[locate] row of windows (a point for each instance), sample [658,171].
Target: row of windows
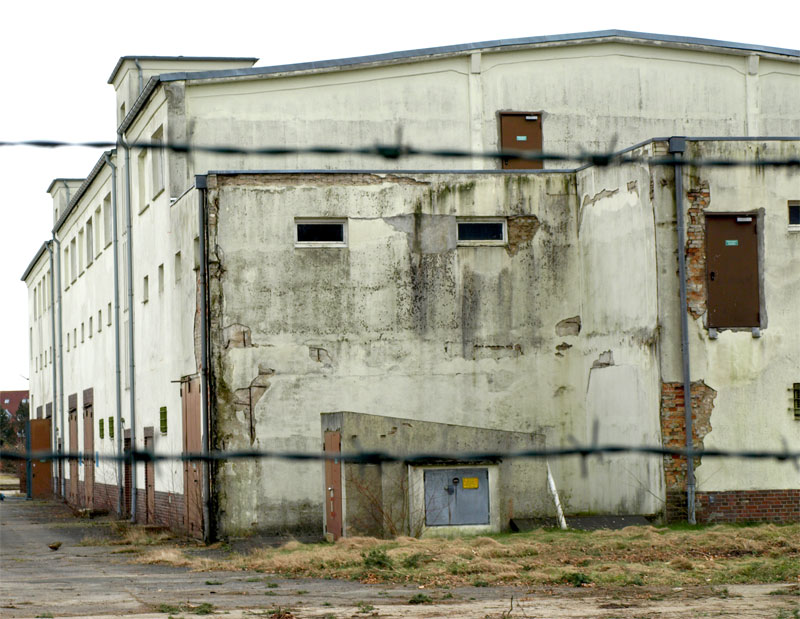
[84,248]
[333,232]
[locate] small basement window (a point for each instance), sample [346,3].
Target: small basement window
[320,232]
[794,215]
[482,232]
[796,400]
[163,419]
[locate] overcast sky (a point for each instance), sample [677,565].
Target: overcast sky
[56,59]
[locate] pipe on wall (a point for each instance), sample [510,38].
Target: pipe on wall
[117,366]
[200,184]
[677,146]
[131,356]
[54,439]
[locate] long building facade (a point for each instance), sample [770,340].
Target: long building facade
[193,301]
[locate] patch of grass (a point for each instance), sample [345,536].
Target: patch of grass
[790,590]
[364,608]
[167,609]
[201,609]
[376,558]
[576,579]
[420,598]
[271,585]
[413,561]
[301,592]
[45,615]
[479,582]
[213,582]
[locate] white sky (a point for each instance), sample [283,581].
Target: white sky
[55,58]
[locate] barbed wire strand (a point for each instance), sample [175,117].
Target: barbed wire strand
[399,150]
[377,457]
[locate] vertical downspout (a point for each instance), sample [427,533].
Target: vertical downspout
[131,357]
[52,361]
[141,77]
[200,184]
[117,367]
[677,146]
[60,403]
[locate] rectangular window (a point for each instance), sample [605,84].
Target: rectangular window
[107,220]
[83,334]
[521,131]
[160,278]
[796,400]
[196,253]
[89,242]
[66,267]
[177,267]
[145,289]
[157,163]
[482,231]
[320,232]
[99,320]
[101,428]
[794,214]
[108,313]
[67,342]
[110,427]
[75,337]
[142,161]
[98,232]
[91,321]
[80,250]
[163,419]
[73,257]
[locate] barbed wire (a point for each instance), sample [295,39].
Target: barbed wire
[378,457]
[399,150]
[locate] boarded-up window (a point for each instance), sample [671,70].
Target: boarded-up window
[521,131]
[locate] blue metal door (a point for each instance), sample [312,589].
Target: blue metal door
[456,497]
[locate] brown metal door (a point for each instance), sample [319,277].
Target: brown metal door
[42,485]
[149,482]
[732,270]
[521,131]
[60,467]
[73,462]
[333,485]
[88,455]
[192,443]
[127,472]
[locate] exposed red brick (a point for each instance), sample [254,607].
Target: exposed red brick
[699,199]
[779,506]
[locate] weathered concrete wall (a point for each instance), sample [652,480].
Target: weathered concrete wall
[404,322]
[453,102]
[750,375]
[380,499]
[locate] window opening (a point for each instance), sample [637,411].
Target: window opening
[101,427]
[163,419]
[794,214]
[325,232]
[110,427]
[89,242]
[482,232]
[796,400]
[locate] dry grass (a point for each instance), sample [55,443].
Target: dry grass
[720,554]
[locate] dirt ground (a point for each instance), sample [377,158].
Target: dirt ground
[80,580]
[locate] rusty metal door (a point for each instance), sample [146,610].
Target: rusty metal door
[88,454]
[521,131]
[333,485]
[732,270]
[42,471]
[149,480]
[73,462]
[192,443]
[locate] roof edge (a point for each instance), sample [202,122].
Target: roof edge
[82,190]
[122,59]
[33,262]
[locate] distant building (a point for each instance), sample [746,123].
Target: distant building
[11,400]
[501,303]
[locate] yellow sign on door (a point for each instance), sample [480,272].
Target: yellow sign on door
[469,483]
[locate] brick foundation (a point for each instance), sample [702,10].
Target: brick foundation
[778,506]
[169,506]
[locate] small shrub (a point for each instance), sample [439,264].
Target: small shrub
[576,579]
[420,598]
[413,561]
[213,582]
[480,583]
[365,608]
[376,558]
[167,609]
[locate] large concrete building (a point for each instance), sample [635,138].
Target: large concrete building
[206,300]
